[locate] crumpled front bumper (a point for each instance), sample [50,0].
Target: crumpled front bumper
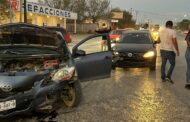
[29,101]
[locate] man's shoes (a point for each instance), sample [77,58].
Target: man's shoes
[187,86]
[169,80]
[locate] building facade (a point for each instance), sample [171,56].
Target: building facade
[41,15]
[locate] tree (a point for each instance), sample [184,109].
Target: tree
[77,6]
[127,21]
[67,5]
[91,9]
[98,9]
[183,25]
[81,9]
[4,9]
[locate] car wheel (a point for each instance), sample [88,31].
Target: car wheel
[73,94]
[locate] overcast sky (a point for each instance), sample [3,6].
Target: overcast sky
[157,11]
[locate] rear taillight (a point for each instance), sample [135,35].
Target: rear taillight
[118,38]
[68,37]
[114,37]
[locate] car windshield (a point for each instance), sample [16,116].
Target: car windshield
[25,35]
[136,38]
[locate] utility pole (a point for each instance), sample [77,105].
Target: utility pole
[21,5]
[25,12]
[10,12]
[136,12]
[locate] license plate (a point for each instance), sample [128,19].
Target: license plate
[7,105]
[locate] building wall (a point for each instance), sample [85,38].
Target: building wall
[38,19]
[83,28]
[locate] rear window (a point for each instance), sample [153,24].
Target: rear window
[136,38]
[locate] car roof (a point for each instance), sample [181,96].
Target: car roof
[54,28]
[126,29]
[28,26]
[24,24]
[133,32]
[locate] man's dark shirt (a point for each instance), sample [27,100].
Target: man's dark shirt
[188,39]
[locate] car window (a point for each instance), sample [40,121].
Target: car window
[136,38]
[94,45]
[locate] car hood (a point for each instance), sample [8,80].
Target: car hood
[141,48]
[28,34]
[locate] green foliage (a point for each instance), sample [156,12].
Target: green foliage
[183,25]
[81,8]
[91,9]
[64,4]
[98,9]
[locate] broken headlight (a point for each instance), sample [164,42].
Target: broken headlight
[62,74]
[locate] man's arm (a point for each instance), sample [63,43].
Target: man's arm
[187,36]
[174,40]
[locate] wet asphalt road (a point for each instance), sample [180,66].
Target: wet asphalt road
[135,94]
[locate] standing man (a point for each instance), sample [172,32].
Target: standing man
[104,30]
[187,56]
[168,45]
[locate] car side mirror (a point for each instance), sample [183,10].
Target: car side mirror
[80,53]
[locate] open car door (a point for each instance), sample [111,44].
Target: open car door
[90,61]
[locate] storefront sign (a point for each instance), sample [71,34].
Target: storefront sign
[117,15]
[44,10]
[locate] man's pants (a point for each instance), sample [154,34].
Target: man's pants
[187,56]
[167,56]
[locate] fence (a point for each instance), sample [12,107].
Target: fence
[83,28]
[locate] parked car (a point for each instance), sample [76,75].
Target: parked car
[135,49]
[116,34]
[37,69]
[63,31]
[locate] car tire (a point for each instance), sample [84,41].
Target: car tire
[74,95]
